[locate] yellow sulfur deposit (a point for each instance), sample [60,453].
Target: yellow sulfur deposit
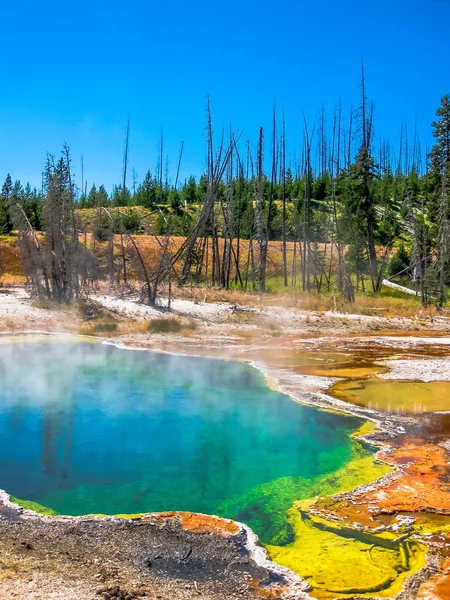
[344,561]
[339,560]
[394,395]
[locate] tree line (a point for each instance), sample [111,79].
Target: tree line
[347,210]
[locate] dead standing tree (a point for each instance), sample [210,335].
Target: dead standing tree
[262,234]
[124,187]
[251,224]
[306,264]
[60,230]
[194,251]
[52,265]
[130,248]
[283,183]
[32,252]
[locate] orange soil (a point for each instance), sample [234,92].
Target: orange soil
[422,488]
[437,587]
[202,523]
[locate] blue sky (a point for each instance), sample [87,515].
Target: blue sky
[73,71]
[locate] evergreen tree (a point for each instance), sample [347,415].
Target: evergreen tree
[121,196]
[439,204]
[33,206]
[440,154]
[147,194]
[175,202]
[189,191]
[359,218]
[91,200]
[400,262]
[102,197]
[443,247]
[5,197]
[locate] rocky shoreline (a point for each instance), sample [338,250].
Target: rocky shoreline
[161,555]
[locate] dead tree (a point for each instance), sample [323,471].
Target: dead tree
[283,182]
[195,248]
[124,186]
[52,265]
[32,253]
[306,266]
[261,229]
[57,216]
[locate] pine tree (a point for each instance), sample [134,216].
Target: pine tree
[102,197]
[443,247]
[189,191]
[147,195]
[5,197]
[440,154]
[439,176]
[121,196]
[91,200]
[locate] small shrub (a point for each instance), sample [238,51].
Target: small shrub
[46,304]
[191,325]
[400,262]
[170,325]
[105,327]
[86,331]
[131,222]
[43,304]
[274,328]
[90,311]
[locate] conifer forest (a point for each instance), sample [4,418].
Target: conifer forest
[347,209]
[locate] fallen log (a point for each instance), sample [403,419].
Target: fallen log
[396,286]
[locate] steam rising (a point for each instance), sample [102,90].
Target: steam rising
[89,428]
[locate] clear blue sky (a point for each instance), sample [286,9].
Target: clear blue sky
[71,71]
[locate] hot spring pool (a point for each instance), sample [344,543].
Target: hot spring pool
[90,428]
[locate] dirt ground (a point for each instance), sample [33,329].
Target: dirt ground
[157,556]
[203,313]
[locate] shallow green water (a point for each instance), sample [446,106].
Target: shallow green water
[89,428]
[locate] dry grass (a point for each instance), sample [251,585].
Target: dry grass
[11,272]
[168,325]
[388,303]
[244,334]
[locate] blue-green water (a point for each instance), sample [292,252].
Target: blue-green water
[89,428]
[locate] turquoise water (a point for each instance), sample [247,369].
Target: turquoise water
[89,428]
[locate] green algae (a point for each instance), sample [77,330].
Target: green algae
[367,428]
[430,524]
[395,395]
[336,560]
[339,560]
[265,508]
[34,506]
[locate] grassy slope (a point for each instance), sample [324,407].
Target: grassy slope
[387,303]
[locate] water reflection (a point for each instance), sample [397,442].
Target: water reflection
[90,428]
[394,395]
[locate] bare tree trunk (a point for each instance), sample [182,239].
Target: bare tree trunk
[283,167]
[261,231]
